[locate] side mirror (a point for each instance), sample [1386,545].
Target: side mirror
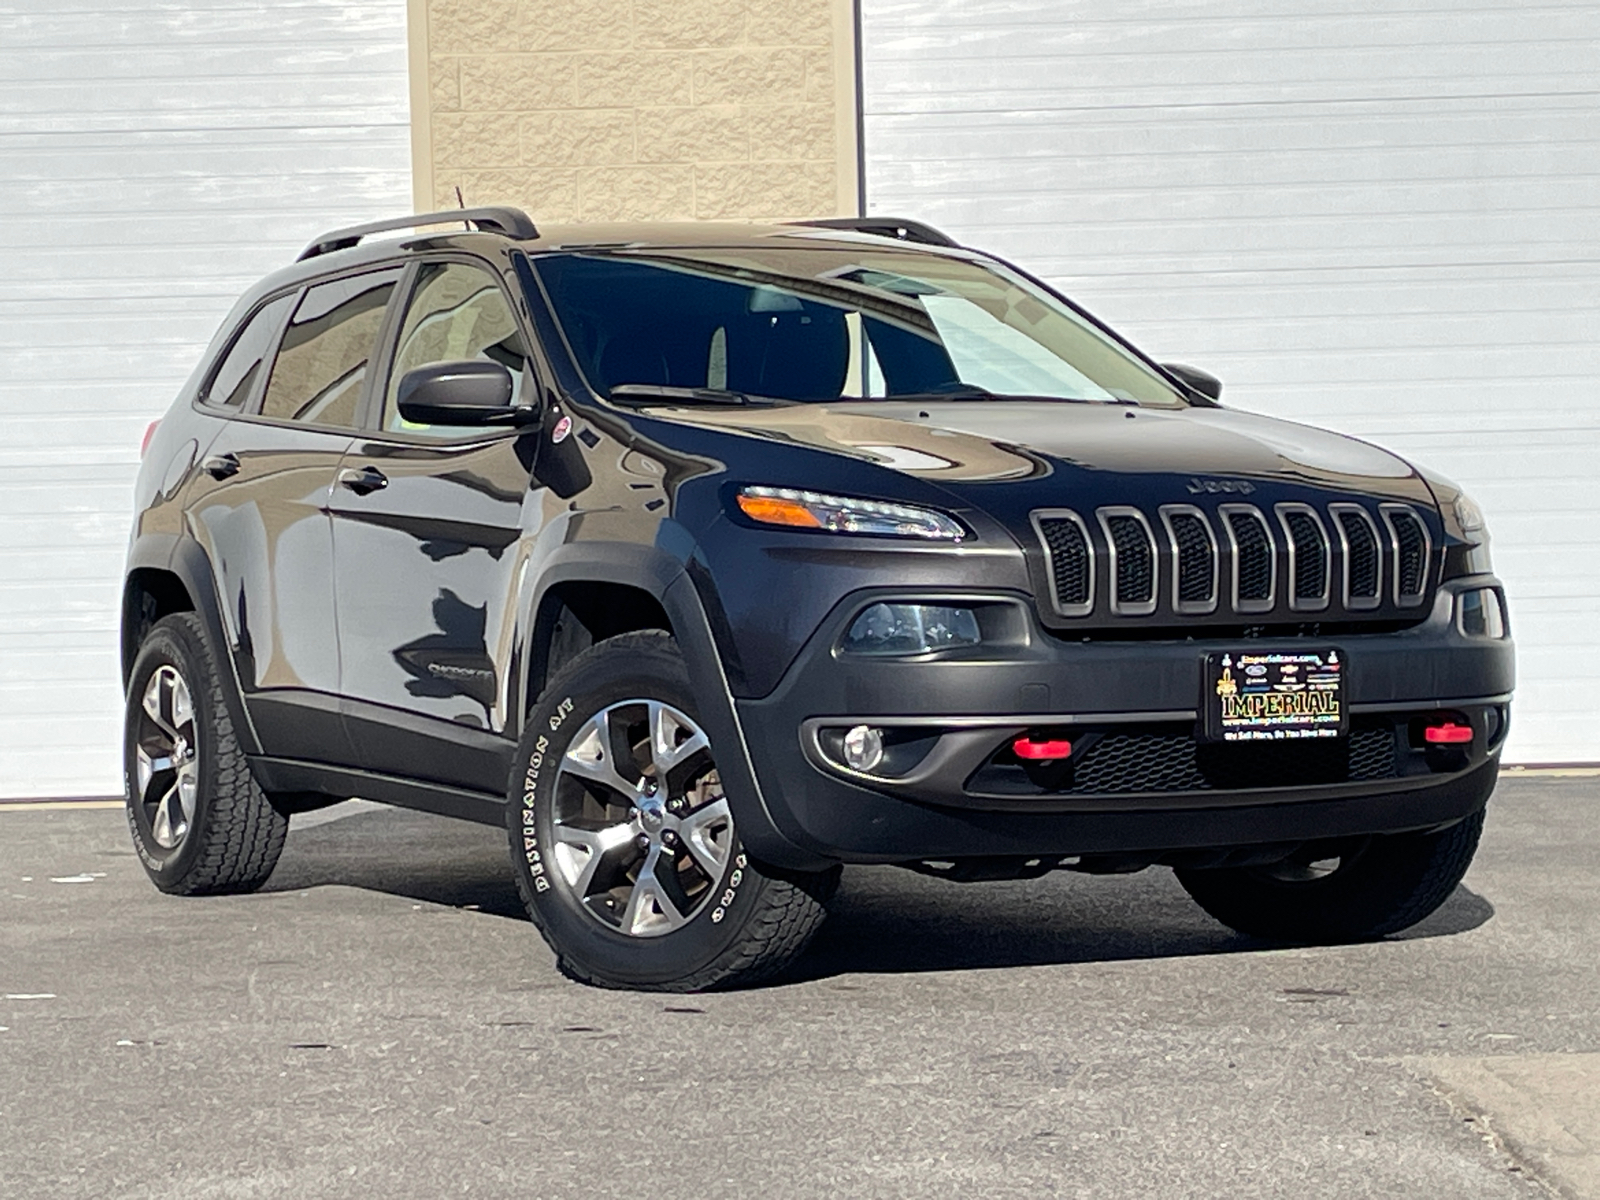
[1201,381]
[459,393]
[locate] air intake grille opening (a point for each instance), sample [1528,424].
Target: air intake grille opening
[1069,560]
[1361,561]
[1196,562]
[1167,759]
[1411,554]
[1253,548]
[1136,574]
[1310,556]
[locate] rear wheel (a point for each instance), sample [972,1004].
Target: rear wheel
[1355,890]
[200,822]
[623,839]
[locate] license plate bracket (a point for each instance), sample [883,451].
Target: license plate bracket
[1273,695]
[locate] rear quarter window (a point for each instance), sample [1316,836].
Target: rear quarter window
[235,377]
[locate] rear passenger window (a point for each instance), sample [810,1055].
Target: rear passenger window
[327,349]
[231,385]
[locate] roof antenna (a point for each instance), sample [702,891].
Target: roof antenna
[462,204]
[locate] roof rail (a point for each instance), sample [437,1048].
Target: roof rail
[512,222]
[899,228]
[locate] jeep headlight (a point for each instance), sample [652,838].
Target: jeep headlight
[1468,515]
[1473,557]
[845,514]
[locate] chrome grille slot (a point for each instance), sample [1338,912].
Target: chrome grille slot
[1133,560]
[1310,556]
[1254,552]
[1069,559]
[1363,556]
[1194,558]
[1411,549]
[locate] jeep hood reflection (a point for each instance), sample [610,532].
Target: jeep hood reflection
[954,443]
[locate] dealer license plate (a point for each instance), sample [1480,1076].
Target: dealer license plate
[1252,696]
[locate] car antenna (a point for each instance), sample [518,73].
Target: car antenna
[461,204]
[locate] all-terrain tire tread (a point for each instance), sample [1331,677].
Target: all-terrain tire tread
[1454,854]
[242,834]
[1402,879]
[792,906]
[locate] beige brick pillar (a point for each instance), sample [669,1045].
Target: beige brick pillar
[595,110]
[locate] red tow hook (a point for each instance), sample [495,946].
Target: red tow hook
[1041,751]
[1447,733]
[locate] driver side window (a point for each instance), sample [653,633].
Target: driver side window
[456,312]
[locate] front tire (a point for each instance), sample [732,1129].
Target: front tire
[1358,890]
[200,823]
[623,841]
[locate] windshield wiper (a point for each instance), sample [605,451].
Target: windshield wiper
[643,393]
[978,393]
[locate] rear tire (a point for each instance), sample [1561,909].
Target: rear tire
[1357,891]
[200,822]
[623,842]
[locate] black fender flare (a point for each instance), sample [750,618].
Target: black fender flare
[668,578]
[185,559]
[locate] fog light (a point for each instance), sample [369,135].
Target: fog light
[863,748]
[1479,614]
[898,630]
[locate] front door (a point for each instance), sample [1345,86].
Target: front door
[427,527]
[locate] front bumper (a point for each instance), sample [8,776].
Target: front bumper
[954,802]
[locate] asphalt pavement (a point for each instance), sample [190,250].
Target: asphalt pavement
[382,1021]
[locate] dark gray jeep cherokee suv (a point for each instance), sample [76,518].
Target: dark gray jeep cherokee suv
[709,558]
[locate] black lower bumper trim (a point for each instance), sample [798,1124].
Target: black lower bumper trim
[851,824]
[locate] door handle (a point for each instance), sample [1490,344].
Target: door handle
[363,481]
[221,466]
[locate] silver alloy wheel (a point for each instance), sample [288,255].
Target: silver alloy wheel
[167,757]
[641,831]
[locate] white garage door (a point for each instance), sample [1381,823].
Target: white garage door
[1385,224]
[155,159]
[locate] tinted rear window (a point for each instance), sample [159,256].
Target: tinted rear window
[323,360]
[231,385]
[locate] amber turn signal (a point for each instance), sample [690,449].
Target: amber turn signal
[775,510]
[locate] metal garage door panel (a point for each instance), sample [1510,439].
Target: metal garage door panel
[1382,223]
[158,159]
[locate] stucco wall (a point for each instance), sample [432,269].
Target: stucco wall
[635,109]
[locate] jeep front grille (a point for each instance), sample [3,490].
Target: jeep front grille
[1363,563]
[1236,559]
[1411,545]
[1255,554]
[1133,561]
[1071,560]
[1310,556]
[1194,558]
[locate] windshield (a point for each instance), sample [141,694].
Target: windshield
[828,324]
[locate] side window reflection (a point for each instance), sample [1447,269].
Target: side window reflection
[230,387]
[456,312]
[323,359]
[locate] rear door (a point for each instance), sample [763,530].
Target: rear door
[427,525]
[296,376]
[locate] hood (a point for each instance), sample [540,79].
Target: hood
[1000,455]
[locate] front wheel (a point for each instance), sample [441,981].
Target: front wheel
[623,839]
[1356,890]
